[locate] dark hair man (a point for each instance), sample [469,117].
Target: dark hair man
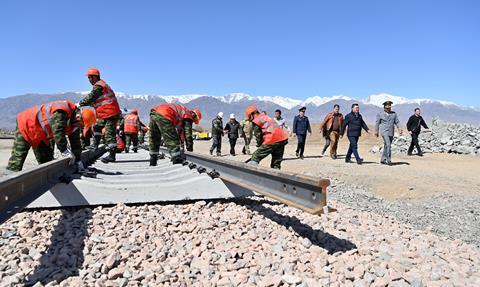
[414,126]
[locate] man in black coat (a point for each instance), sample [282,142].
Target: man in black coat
[414,126]
[301,125]
[233,128]
[355,123]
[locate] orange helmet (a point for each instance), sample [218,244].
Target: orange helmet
[93,72]
[198,116]
[89,117]
[134,111]
[250,110]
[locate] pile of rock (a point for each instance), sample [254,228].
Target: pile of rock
[241,242]
[442,137]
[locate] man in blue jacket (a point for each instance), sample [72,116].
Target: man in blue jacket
[355,123]
[301,126]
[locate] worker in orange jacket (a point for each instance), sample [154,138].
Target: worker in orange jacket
[43,127]
[173,122]
[271,139]
[103,99]
[131,127]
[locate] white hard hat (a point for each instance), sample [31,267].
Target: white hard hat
[232,116]
[220,114]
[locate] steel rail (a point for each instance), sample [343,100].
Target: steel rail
[19,189]
[306,193]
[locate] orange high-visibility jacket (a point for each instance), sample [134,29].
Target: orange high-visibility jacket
[131,123]
[35,123]
[175,113]
[272,132]
[106,105]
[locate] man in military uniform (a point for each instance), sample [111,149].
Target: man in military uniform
[247,132]
[103,99]
[217,134]
[41,128]
[173,122]
[385,126]
[271,139]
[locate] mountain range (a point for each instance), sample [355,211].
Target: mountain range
[236,103]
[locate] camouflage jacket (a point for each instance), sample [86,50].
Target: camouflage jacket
[217,126]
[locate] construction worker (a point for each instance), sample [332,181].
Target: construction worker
[131,129]
[103,99]
[247,132]
[46,126]
[173,122]
[271,139]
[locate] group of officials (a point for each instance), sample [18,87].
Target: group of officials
[333,127]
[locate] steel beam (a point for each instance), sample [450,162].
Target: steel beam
[21,188]
[303,192]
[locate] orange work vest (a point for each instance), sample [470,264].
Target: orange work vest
[106,105]
[272,132]
[35,124]
[131,123]
[175,113]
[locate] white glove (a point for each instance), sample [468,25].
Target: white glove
[80,167]
[68,154]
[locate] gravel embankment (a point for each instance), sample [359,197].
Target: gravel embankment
[241,242]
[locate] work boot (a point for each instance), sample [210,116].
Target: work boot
[126,150]
[219,154]
[135,150]
[161,156]
[109,158]
[153,159]
[177,160]
[211,152]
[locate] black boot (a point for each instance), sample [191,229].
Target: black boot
[135,150]
[126,150]
[153,159]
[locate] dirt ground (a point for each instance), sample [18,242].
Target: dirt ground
[411,178]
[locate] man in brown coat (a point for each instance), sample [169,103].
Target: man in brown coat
[331,127]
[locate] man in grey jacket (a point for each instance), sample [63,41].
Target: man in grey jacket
[385,126]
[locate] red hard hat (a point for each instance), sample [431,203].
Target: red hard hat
[93,72]
[250,110]
[198,116]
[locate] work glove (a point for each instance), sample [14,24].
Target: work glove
[68,154]
[80,166]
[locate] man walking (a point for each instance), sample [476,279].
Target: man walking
[217,134]
[301,125]
[281,121]
[232,128]
[331,128]
[385,126]
[271,139]
[247,132]
[173,122]
[414,126]
[103,99]
[354,122]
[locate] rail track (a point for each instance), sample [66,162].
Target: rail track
[131,180]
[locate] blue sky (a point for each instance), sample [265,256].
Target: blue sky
[299,49]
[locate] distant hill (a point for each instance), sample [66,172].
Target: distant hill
[236,103]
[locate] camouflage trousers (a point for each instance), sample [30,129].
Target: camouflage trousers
[275,149]
[131,138]
[110,125]
[43,153]
[246,147]
[162,127]
[141,137]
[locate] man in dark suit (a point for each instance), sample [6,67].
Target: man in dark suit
[414,126]
[355,123]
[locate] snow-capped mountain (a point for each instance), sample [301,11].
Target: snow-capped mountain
[236,103]
[379,99]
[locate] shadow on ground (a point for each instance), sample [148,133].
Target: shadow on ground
[318,237]
[64,256]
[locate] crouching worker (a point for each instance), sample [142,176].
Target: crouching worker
[46,126]
[271,139]
[173,122]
